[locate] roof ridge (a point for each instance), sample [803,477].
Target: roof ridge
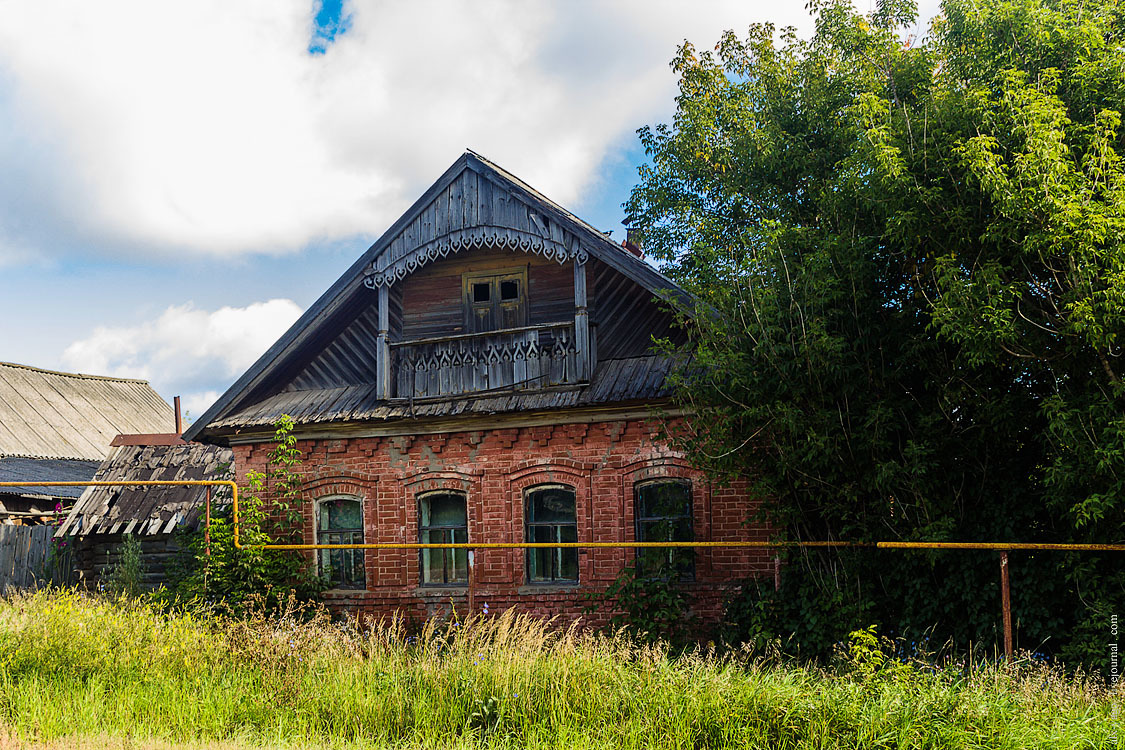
[80,375]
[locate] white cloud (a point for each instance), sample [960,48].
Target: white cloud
[205,126]
[185,351]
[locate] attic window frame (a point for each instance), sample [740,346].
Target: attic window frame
[495,278]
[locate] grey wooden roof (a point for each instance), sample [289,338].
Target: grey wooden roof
[473,204]
[615,381]
[21,469]
[150,510]
[46,414]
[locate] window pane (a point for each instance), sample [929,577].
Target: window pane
[664,499]
[443,510]
[509,290]
[340,521]
[482,292]
[443,566]
[664,515]
[551,517]
[552,505]
[341,514]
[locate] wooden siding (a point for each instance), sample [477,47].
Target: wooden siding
[432,297]
[627,316]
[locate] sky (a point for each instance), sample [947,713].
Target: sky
[180,180]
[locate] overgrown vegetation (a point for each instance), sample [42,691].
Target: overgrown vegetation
[650,607]
[126,577]
[911,280]
[76,666]
[270,510]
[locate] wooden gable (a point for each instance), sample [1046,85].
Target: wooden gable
[397,325]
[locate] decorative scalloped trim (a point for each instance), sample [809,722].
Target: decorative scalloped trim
[502,238]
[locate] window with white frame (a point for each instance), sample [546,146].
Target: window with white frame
[551,518]
[442,519]
[340,521]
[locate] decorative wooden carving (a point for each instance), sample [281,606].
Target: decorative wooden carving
[504,238]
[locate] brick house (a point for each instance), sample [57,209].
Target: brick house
[484,373]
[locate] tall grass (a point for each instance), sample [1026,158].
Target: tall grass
[74,666]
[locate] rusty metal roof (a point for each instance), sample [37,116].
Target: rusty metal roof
[150,510]
[46,414]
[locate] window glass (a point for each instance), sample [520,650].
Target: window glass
[551,518]
[340,521]
[664,514]
[481,292]
[442,519]
[509,290]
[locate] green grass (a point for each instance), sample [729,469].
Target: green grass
[72,666]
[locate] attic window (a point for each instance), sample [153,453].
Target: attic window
[495,301]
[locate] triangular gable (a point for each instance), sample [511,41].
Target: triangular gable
[473,204]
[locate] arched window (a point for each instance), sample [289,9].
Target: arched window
[664,514]
[442,520]
[340,521]
[550,518]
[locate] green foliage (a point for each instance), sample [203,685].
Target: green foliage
[269,509]
[650,605]
[911,283]
[503,681]
[126,578]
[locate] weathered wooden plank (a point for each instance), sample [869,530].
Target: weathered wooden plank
[441,213]
[470,203]
[456,210]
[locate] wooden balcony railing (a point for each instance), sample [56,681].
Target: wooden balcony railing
[516,358]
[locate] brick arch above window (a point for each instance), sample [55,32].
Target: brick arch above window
[427,481]
[339,484]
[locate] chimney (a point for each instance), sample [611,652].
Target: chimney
[632,242]
[179,421]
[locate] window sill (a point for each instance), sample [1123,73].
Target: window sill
[441,591]
[531,589]
[336,593]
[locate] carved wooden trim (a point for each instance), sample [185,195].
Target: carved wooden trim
[502,238]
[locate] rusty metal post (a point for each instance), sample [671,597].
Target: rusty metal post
[777,572]
[1006,603]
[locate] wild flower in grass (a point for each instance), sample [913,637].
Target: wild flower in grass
[486,608]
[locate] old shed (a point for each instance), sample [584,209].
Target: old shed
[98,522]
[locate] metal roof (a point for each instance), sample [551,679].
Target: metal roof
[150,510]
[47,414]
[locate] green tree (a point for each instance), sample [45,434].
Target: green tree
[270,509]
[908,263]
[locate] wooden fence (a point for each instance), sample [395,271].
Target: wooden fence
[28,558]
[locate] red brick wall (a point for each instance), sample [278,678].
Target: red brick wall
[602,461]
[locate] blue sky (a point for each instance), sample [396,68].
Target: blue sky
[182,179]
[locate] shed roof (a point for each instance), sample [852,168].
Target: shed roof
[21,469]
[47,414]
[150,510]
